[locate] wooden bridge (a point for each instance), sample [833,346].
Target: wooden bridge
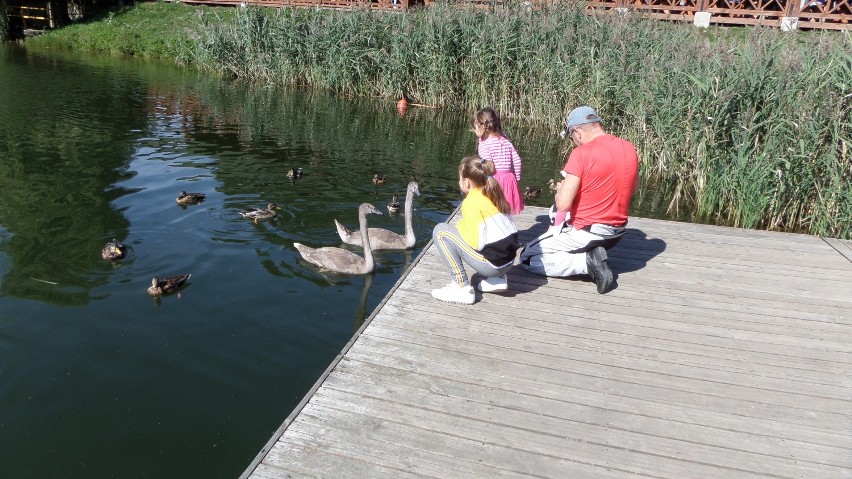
[722,353]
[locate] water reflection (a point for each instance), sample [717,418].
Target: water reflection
[60,158]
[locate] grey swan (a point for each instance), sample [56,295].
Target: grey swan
[341,260]
[381,238]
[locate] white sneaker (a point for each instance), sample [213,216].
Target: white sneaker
[453,293]
[493,285]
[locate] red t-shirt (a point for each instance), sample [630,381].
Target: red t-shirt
[607,167]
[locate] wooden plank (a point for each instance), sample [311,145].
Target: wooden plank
[478,458]
[843,247]
[312,455]
[800,407]
[724,288]
[701,363]
[432,392]
[672,304]
[549,446]
[592,339]
[493,386]
[599,391]
[608,363]
[575,422]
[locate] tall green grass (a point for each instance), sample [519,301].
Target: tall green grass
[752,132]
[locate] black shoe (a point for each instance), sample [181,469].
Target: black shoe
[598,266]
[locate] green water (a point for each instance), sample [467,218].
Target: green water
[97,379]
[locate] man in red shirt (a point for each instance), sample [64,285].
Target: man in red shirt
[592,203]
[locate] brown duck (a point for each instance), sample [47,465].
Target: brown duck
[185,198]
[167,285]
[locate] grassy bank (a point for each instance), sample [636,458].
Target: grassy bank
[154,30]
[750,130]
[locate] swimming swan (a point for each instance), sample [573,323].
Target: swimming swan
[341,260]
[382,238]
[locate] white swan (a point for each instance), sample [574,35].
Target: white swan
[341,260]
[382,238]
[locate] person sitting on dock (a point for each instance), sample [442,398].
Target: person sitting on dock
[592,203]
[485,237]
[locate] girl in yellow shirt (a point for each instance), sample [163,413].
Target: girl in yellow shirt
[485,237]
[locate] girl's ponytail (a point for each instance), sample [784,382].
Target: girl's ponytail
[481,173]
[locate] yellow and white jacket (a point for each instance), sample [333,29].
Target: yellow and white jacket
[484,228]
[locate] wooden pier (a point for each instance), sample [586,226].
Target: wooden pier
[722,353]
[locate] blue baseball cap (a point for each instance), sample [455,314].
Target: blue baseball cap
[580,116]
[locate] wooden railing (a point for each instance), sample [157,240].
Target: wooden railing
[36,16]
[788,14]
[339,4]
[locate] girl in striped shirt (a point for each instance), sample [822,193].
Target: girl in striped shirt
[494,146]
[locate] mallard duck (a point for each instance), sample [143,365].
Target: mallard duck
[167,285]
[260,213]
[532,193]
[185,198]
[394,206]
[552,185]
[113,250]
[380,179]
[342,260]
[294,173]
[382,238]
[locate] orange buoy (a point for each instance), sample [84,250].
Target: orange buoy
[402,106]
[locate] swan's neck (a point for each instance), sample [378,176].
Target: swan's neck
[365,239]
[409,207]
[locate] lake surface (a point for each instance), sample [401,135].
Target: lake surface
[98,379]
